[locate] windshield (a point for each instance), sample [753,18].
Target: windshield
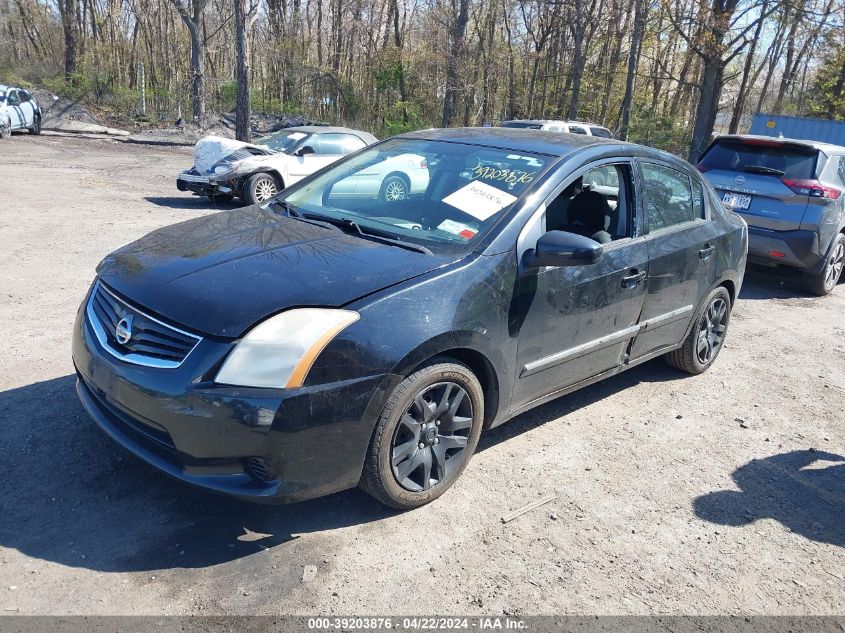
[792,161]
[443,196]
[282,141]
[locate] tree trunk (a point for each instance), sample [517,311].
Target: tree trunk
[198,75]
[70,17]
[633,56]
[578,58]
[708,107]
[242,108]
[456,49]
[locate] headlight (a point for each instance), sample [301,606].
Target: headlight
[279,352]
[221,168]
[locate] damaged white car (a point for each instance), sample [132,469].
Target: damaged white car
[225,168]
[18,111]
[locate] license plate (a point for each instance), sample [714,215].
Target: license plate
[736,201]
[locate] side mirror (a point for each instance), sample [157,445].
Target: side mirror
[560,248]
[305,150]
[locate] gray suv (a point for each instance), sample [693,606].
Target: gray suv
[790,192]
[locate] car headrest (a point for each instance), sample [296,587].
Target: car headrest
[590,208]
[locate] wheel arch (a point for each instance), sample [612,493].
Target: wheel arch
[730,286]
[399,174]
[482,362]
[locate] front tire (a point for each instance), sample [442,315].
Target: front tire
[6,129]
[425,436]
[259,188]
[707,336]
[824,283]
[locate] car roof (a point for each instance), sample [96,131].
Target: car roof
[827,148]
[331,129]
[515,139]
[545,142]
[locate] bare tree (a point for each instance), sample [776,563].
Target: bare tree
[633,58]
[456,50]
[192,13]
[244,19]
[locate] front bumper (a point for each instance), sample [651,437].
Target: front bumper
[313,440]
[800,248]
[191,180]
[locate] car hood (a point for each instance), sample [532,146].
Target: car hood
[222,273]
[212,149]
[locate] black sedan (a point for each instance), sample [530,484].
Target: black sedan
[330,338]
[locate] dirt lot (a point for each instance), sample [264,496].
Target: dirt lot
[719,494]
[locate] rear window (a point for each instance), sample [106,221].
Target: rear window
[776,159]
[600,131]
[523,124]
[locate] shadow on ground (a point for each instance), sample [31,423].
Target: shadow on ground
[774,283]
[73,496]
[803,490]
[193,202]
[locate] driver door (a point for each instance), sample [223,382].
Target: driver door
[576,322]
[327,149]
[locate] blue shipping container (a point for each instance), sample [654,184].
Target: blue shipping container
[799,128]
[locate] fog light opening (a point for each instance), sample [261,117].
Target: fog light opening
[259,469]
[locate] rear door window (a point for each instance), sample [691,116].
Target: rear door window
[335,144]
[577,129]
[762,157]
[668,197]
[600,131]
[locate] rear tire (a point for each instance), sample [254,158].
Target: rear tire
[823,283]
[36,126]
[707,336]
[425,436]
[259,188]
[395,188]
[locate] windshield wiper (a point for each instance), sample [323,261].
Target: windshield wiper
[293,212]
[346,225]
[767,171]
[351,226]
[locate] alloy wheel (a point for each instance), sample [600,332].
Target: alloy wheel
[265,189]
[395,191]
[834,268]
[711,330]
[431,437]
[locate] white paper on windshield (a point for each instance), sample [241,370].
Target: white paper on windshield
[296,135]
[479,200]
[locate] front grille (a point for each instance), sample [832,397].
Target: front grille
[143,340]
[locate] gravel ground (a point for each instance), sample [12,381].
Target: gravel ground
[718,494]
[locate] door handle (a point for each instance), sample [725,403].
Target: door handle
[706,252]
[632,281]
